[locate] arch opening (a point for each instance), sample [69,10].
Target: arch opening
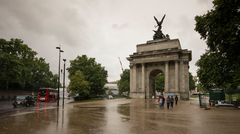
[156,83]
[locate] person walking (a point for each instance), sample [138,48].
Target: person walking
[168,102]
[176,100]
[160,101]
[172,101]
[163,101]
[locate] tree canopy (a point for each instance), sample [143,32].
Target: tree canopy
[93,73]
[124,82]
[192,82]
[21,68]
[78,85]
[220,27]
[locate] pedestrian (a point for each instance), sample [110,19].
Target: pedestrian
[168,102]
[176,99]
[171,101]
[163,101]
[160,101]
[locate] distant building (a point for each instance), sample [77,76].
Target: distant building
[112,88]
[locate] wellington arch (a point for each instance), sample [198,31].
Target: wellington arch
[160,56]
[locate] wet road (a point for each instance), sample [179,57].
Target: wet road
[122,117]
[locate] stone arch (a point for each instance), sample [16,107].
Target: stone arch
[151,78]
[155,56]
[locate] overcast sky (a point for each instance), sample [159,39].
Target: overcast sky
[102,29]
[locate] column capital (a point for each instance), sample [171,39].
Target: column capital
[131,65]
[184,61]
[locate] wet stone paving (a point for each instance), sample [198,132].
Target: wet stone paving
[122,116]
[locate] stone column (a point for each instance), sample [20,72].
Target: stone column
[131,77]
[143,79]
[186,71]
[166,76]
[176,77]
[182,89]
[134,82]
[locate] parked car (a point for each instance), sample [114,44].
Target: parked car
[23,100]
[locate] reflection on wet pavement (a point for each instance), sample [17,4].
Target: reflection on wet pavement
[122,116]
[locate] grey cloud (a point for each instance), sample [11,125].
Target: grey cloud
[47,18]
[104,30]
[203,1]
[120,26]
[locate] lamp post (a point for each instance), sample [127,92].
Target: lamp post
[64,60]
[59,62]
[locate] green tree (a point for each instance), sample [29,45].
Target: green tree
[20,68]
[54,81]
[220,27]
[41,75]
[192,84]
[212,70]
[200,87]
[159,82]
[124,82]
[93,72]
[10,70]
[78,85]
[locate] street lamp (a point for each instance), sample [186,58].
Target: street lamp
[59,62]
[64,60]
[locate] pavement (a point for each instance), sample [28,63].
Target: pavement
[123,116]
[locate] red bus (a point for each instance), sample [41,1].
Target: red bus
[47,94]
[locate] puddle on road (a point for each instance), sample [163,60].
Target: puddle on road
[119,117]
